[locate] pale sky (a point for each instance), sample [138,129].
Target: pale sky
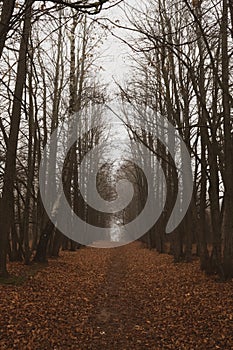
[114,59]
[115,63]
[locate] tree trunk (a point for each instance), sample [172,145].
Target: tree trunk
[228,149]
[6,15]
[7,202]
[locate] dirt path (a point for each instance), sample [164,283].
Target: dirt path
[120,298]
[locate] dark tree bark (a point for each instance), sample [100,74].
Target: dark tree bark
[7,202]
[41,251]
[6,15]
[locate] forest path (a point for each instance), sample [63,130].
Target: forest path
[121,298]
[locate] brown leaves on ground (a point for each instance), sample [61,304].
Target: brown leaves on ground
[121,298]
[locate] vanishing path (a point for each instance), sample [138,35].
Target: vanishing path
[121,298]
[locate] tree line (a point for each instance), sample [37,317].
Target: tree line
[182,69]
[48,51]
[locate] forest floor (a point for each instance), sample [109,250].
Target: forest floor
[120,298]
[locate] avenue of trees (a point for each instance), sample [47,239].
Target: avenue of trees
[181,69]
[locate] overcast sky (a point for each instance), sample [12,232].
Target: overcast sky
[114,51]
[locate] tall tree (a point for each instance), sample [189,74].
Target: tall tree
[7,200]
